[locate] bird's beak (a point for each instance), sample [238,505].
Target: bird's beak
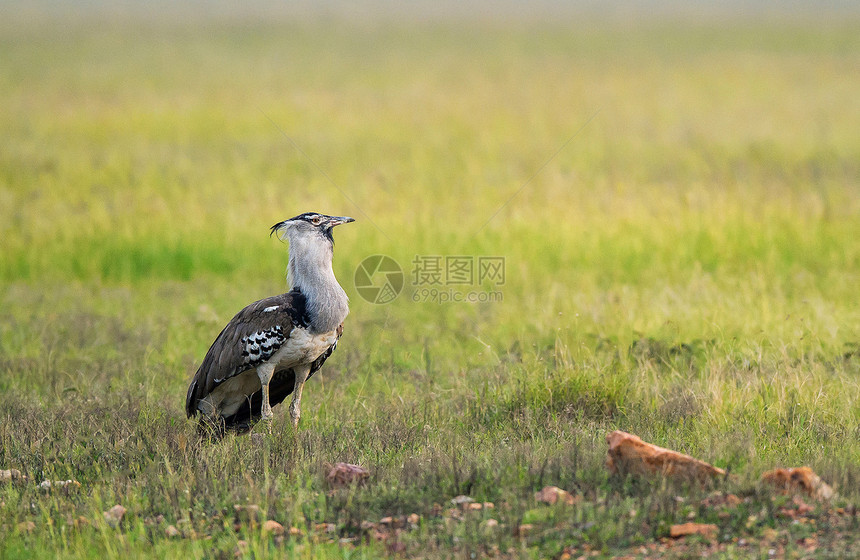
[338,220]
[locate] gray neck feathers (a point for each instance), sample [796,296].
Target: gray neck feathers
[310,271]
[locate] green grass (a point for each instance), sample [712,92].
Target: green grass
[686,269]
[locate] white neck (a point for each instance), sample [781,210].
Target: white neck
[310,271]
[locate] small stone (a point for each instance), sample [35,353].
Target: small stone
[386,521]
[114,515]
[798,480]
[66,485]
[706,530]
[12,475]
[346,474]
[525,529]
[413,519]
[462,501]
[553,494]
[172,532]
[489,524]
[476,506]
[273,527]
[367,525]
[295,532]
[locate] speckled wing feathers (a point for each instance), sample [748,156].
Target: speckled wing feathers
[250,338]
[280,388]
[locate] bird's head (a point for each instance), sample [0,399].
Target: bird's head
[308,226]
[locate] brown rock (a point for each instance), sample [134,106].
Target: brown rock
[114,515]
[798,480]
[12,475]
[706,530]
[65,485]
[345,474]
[273,527]
[476,506]
[462,501]
[413,519]
[553,494]
[295,532]
[172,532]
[629,454]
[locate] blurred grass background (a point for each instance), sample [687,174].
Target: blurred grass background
[686,267]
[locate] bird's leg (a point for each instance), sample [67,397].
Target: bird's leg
[295,405]
[265,372]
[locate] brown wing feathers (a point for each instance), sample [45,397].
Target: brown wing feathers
[251,337]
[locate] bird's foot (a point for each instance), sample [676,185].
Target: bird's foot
[267,417]
[295,415]
[267,414]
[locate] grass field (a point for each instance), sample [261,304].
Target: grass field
[677,204]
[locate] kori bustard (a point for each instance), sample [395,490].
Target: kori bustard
[271,348]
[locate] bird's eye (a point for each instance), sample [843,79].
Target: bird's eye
[316,220]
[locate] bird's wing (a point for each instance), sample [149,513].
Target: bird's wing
[280,388]
[249,339]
